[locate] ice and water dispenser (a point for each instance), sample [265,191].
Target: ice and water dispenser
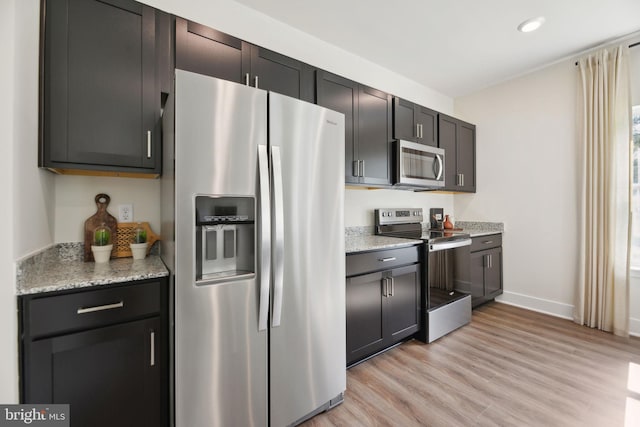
[225,245]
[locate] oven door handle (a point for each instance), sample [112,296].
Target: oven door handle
[434,247]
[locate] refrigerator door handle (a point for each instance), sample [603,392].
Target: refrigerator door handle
[265,237]
[278,235]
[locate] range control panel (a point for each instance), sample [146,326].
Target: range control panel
[398,216]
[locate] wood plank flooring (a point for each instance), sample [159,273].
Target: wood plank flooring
[508,367]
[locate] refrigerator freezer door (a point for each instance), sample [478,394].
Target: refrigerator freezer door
[220,355]
[307,349]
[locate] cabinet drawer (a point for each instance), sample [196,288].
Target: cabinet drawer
[381,260]
[89,309]
[486,242]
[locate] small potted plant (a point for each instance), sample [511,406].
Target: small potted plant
[102,245]
[139,243]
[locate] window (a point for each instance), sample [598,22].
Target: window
[635,200]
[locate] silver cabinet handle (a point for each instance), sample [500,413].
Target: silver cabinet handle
[356,168]
[462,180]
[421,133]
[440,167]
[246,79]
[391,258]
[148,144]
[487,242]
[255,81]
[362,169]
[488,261]
[278,235]
[417,130]
[384,287]
[393,285]
[85,310]
[265,237]
[152,361]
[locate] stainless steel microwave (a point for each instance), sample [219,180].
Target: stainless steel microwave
[418,165]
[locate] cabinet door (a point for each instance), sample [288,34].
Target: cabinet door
[427,119]
[281,74]
[204,50]
[364,316]
[493,274]
[447,137]
[110,376]
[403,303]
[339,94]
[374,136]
[478,260]
[404,120]
[466,156]
[99,100]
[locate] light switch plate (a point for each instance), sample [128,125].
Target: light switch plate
[125,213]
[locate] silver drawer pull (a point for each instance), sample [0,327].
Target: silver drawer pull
[488,242]
[148,144]
[152,362]
[85,310]
[391,258]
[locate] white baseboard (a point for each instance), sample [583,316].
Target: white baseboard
[553,308]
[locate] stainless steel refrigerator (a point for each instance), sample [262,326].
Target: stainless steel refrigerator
[253,232]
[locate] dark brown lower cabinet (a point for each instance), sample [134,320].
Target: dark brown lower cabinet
[486,268]
[106,354]
[382,308]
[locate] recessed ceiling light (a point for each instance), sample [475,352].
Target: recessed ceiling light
[531,24]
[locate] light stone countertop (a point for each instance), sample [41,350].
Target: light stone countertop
[52,271]
[476,229]
[365,243]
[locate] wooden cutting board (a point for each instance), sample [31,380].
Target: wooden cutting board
[95,221]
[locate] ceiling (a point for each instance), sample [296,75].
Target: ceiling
[458,46]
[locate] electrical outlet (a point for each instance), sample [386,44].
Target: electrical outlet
[125,213]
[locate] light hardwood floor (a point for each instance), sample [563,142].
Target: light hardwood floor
[508,367]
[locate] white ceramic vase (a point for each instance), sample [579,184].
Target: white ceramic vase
[138,250]
[101,254]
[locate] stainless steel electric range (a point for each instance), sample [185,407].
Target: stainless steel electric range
[446,288]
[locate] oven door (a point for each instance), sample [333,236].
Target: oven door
[449,271]
[448,303]
[419,165]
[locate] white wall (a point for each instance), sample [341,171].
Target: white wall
[34,190]
[75,202]
[8,321]
[359,204]
[526,165]
[527,169]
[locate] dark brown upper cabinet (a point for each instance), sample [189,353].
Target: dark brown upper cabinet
[203,50]
[458,139]
[100,98]
[368,115]
[413,122]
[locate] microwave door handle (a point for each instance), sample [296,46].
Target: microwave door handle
[440,167]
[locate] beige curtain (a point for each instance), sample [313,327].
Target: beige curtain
[604,129]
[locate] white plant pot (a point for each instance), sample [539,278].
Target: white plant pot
[101,254]
[138,250]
